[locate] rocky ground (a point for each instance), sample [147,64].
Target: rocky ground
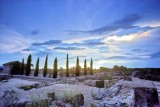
[60,92]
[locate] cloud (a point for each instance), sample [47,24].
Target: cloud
[50,42]
[125,38]
[139,50]
[95,43]
[27,49]
[68,48]
[149,23]
[81,39]
[35,32]
[124,23]
[12,41]
[155,55]
[42,53]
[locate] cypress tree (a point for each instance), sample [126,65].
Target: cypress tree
[67,67]
[45,67]
[28,67]
[85,67]
[77,67]
[91,67]
[55,68]
[22,67]
[37,68]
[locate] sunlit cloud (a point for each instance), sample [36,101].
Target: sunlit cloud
[150,23]
[81,39]
[125,38]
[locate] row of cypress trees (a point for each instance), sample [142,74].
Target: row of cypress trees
[55,65]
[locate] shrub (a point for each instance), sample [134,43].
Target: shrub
[105,78]
[68,94]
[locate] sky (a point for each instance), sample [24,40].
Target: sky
[111,32]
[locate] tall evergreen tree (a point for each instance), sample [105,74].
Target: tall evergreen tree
[85,67]
[77,67]
[67,67]
[37,68]
[91,67]
[28,67]
[45,67]
[55,68]
[22,67]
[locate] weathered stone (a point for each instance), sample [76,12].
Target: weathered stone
[90,83]
[100,84]
[108,83]
[95,104]
[4,77]
[60,104]
[120,104]
[50,101]
[29,104]
[94,83]
[51,95]
[35,104]
[81,79]
[27,87]
[146,96]
[3,81]
[18,104]
[77,100]
[98,95]
[44,103]
[9,98]
[113,91]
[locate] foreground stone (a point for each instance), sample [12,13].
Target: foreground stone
[51,95]
[108,83]
[29,104]
[77,100]
[4,77]
[100,84]
[10,97]
[146,97]
[95,103]
[98,95]
[18,104]
[95,83]
[60,104]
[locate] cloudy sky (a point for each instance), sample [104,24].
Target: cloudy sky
[112,32]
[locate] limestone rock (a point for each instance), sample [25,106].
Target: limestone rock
[29,104]
[100,84]
[60,104]
[90,83]
[95,104]
[51,95]
[44,103]
[77,100]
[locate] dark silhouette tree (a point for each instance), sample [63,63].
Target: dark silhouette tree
[55,68]
[22,67]
[85,67]
[91,67]
[28,67]
[67,67]
[45,67]
[37,68]
[77,67]
[16,67]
